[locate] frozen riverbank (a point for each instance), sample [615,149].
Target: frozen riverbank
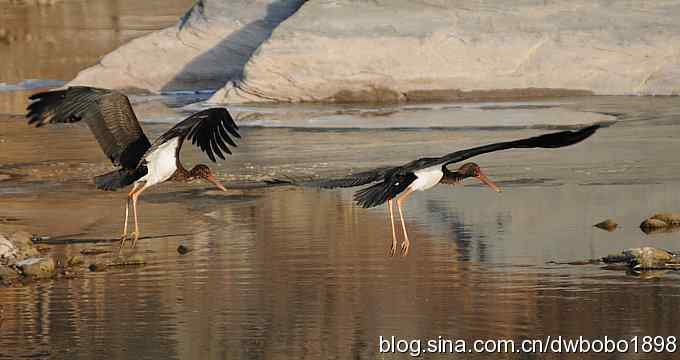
[390,51]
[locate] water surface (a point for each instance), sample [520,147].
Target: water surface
[302,273]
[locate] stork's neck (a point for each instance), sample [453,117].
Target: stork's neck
[451,177]
[181,174]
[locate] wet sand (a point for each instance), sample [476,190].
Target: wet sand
[301,273]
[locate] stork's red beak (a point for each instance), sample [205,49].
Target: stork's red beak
[213,180]
[487,181]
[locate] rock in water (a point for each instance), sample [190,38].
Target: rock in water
[16,247]
[8,252]
[660,221]
[7,275]
[95,267]
[608,225]
[649,258]
[183,249]
[668,218]
[22,240]
[37,267]
[650,224]
[645,258]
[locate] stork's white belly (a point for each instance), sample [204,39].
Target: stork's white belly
[161,164]
[427,178]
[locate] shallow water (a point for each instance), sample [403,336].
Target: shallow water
[280,272]
[55,42]
[300,273]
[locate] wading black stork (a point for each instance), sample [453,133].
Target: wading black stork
[109,116]
[396,184]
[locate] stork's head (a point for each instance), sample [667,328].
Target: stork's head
[473,170]
[201,171]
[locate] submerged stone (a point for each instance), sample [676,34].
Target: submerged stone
[16,247]
[8,252]
[660,221]
[651,224]
[668,218]
[95,267]
[22,240]
[648,257]
[183,249]
[8,275]
[608,225]
[37,267]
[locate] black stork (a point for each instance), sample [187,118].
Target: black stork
[396,184]
[110,117]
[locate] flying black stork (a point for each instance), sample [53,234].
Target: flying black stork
[110,117]
[396,184]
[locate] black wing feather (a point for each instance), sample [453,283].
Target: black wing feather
[391,181]
[107,113]
[377,194]
[552,140]
[356,179]
[209,130]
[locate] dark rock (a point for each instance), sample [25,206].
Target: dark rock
[608,225]
[183,249]
[95,267]
[644,258]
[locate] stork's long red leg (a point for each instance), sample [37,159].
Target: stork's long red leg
[393,249]
[123,237]
[401,199]
[135,196]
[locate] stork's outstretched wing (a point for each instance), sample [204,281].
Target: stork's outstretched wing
[552,140]
[211,130]
[356,179]
[108,114]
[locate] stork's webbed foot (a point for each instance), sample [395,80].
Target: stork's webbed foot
[393,248]
[123,238]
[405,245]
[135,237]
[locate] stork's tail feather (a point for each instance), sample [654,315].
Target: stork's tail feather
[118,179]
[379,193]
[373,195]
